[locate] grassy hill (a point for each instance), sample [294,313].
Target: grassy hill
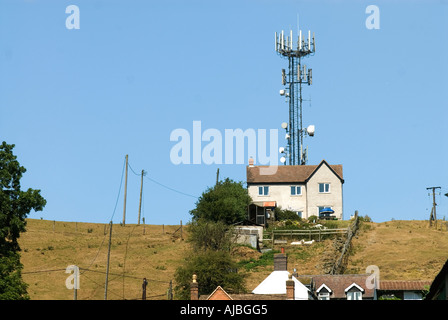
[403,250]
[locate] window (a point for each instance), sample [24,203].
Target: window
[324,187]
[296,190]
[354,295]
[411,295]
[354,292]
[263,190]
[323,293]
[299,213]
[324,296]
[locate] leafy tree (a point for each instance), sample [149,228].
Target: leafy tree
[213,268]
[227,201]
[209,235]
[15,205]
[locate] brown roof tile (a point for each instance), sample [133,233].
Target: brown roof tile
[289,174]
[404,284]
[338,284]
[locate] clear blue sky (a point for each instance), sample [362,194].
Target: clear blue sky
[75,102]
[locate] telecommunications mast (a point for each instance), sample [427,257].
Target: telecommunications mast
[293,79]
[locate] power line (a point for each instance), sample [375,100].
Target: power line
[119,190]
[161,184]
[41,271]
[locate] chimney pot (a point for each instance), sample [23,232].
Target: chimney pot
[251,162]
[194,289]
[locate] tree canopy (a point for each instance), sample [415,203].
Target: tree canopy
[15,205]
[227,201]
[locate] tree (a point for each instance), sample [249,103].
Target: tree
[209,235]
[227,201]
[213,268]
[15,205]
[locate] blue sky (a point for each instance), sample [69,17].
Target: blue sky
[76,101]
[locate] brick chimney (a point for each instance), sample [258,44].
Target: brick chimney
[280,262]
[194,290]
[251,162]
[290,288]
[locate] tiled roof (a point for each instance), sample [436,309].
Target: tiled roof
[289,174]
[249,296]
[393,285]
[338,284]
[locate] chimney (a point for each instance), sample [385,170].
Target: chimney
[251,162]
[280,262]
[290,288]
[194,290]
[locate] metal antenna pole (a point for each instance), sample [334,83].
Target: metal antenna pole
[297,75]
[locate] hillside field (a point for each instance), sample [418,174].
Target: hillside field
[403,250]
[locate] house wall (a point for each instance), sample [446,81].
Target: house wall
[310,199]
[332,199]
[281,193]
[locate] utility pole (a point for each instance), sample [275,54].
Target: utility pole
[108,260]
[433,215]
[140,204]
[125,191]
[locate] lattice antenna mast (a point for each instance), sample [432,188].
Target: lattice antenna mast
[293,79]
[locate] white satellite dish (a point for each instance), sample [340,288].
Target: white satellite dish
[282,92]
[284,125]
[310,129]
[287,136]
[282,159]
[281,149]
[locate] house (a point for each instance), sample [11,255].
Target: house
[274,283]
[403,289]
[342,287]
[308,190]
[279,285]
[220,294]
[439,286]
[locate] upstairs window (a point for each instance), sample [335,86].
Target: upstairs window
[354,295]
[324,296]
[263,190]
[324,187]
[323,293]
[354,292]
[296,190]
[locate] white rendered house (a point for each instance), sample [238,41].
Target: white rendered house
[308,190]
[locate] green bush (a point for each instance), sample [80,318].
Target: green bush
[281,215]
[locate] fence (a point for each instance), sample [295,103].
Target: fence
[312,234]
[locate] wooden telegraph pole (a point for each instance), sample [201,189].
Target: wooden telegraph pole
[433,215]
[108,260]
[125,191]
[140,204]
